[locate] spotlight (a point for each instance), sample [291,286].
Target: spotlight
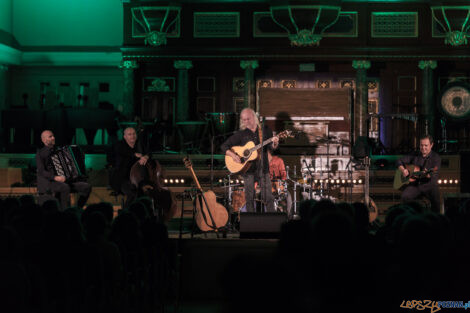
[220,180]
[332,181]
[337,181]
[182,180]
[343,181]
[242,181]
[354,181]
[451,181]
[445,181]
[237,181]
[315,181]
[349,181]
[456,181]
[171,181]
[166,181]
[439,181]
[231,181]
[359,181]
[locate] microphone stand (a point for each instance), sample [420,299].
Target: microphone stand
[212,154]
[263,177]
[212,162]
[311,178]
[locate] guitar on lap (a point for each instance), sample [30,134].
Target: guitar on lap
[248,153]
[400,182]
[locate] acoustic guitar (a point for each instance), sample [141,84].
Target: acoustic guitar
[400,182]
[249,152]
[209,215]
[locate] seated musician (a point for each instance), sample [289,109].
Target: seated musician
[259,169]
[426,186]
[127,152]
[48,183]
[277,168]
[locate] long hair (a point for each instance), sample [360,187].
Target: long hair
[242,125]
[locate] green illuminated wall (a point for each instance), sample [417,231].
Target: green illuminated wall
[67,22]
[5,15]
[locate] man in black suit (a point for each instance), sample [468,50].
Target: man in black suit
[427,186]
[127,152]
[48,183]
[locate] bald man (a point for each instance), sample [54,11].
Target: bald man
[48,183]
[127,152]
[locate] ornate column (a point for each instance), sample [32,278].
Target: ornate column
[249,91]
[182,87]
[361,104]
[4,86]
[427,66]
[128,67]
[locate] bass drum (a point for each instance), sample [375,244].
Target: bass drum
[283,203]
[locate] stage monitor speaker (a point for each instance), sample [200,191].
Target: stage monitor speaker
[455,200]
[261,225]
[361,148]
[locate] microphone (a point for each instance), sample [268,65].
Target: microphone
[306,165]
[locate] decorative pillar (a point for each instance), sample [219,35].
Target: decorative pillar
[427,66]
[182,88]
[249,91]
[4,86]
[362,94]
[128,67]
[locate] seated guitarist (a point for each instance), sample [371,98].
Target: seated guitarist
[426,186]
[259,168]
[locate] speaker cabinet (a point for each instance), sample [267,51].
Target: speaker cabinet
[455,200]
[261,225]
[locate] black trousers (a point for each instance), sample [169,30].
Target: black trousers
[428,190]
[130,190]
[64,189]
[266,194]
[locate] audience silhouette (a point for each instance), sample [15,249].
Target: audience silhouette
[330,260]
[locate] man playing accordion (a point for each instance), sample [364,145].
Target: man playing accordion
[49,183]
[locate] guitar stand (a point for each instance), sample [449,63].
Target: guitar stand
[200,196]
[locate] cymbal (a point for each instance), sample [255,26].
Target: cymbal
[231,186]
[325,139]
[342,142]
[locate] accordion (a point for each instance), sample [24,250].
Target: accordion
[69,161]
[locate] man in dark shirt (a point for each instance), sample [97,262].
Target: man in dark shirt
[48,183]
[426,186]
[259,169]
[127,152]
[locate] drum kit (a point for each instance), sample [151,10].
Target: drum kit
[235,195]
[285,191]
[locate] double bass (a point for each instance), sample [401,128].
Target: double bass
[148,179]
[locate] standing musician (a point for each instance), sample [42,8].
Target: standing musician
[127,152]
[49,183]
[426,186]
[259,169]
